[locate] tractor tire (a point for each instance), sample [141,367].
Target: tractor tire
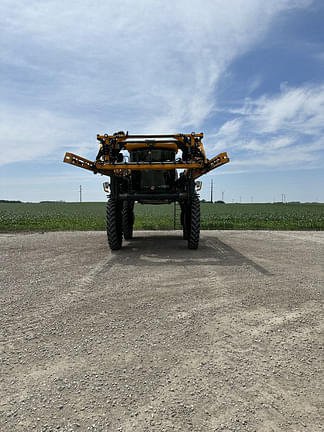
[128,220]
[114,224]
[194,229]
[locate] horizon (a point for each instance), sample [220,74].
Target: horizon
[201,199]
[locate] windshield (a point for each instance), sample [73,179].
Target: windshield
[152,155]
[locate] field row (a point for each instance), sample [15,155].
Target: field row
[91,216]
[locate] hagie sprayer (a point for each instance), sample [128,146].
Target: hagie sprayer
[149,176]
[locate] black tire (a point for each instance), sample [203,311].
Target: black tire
[128,220]
[114,225]
[194,231]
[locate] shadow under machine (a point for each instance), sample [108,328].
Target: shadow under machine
[148,175]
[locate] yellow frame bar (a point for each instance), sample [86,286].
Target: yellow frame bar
[106,168]
[146,166]
[196,167]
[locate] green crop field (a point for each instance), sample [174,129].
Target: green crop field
[91,216]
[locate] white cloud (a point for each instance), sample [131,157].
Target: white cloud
[297,109]
[144,66]
[231,128]
[29,134]
[285,129]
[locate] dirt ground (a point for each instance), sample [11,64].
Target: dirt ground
[156,337]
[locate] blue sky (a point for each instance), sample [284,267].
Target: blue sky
[249,74]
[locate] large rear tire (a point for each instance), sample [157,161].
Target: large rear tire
[114,224]
[194,228]
[128,219]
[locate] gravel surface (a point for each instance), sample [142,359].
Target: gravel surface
[156,337]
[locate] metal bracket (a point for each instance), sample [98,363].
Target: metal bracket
[198,185]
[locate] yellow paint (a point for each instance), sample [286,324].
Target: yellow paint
[197,167]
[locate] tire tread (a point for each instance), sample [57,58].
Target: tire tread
[113,224]
[194,233]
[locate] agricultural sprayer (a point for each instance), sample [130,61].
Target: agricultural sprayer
[143,168]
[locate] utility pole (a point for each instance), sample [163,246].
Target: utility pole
[223,195]
[80,193]
[211,190]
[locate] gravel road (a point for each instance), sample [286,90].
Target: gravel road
[156,337]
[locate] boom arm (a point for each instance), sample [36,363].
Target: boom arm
[211,164]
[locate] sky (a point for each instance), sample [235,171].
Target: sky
[247,73]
